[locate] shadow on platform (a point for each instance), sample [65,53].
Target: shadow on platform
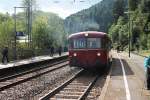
[117,69]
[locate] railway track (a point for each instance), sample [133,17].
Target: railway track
[13,80]
[30,71]
[75,88]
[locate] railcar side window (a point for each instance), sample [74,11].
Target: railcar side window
[93,43]
[70,43]
[79,43]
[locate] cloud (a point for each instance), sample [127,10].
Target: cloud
[58,10]
[8,6]
[63,8]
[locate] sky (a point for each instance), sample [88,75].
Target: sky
[62,8]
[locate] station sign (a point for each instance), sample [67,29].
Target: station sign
[20,33]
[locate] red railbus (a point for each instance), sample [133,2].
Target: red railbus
[89,50]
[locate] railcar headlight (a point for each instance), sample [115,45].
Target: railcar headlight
[98,54]
[86,34]
[75,54]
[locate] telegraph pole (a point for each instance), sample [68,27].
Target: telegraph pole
[129,24]
[29,22]
[15,37]
[129,39]
[28,8]
[129,34]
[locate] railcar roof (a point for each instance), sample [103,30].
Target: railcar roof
[93,33]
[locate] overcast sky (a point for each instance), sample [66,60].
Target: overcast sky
[63,8]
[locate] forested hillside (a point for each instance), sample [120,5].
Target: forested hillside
[98,17]
[118,18]
[135,20]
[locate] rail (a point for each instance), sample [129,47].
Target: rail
[24,79]
[82,97]
[64,85]
[29,71]
[53,92]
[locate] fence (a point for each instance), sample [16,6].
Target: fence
[28,53]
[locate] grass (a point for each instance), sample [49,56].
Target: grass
[145,52]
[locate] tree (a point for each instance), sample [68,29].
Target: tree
[118,9]
[40,33]
[48,30]
[145,6]
[133,4]
[6,30]
[27,3]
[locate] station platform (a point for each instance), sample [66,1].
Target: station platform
[127,78]
[30,60]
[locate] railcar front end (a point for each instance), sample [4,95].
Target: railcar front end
[88,50]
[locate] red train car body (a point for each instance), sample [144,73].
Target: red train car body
[89,50]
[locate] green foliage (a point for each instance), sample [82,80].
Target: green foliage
[118,9]
[139,26]
[145,6]
[119,32]
[40,33]
[56,28]
[133,4]
[143,43]
[47,30]
[98,17]
[6,30]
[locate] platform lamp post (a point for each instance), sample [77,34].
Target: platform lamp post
[129,39]
[15,32]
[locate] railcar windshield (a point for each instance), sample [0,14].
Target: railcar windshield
[89,43]
[93,43]
[79,43]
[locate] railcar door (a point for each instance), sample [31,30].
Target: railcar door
[93,50]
